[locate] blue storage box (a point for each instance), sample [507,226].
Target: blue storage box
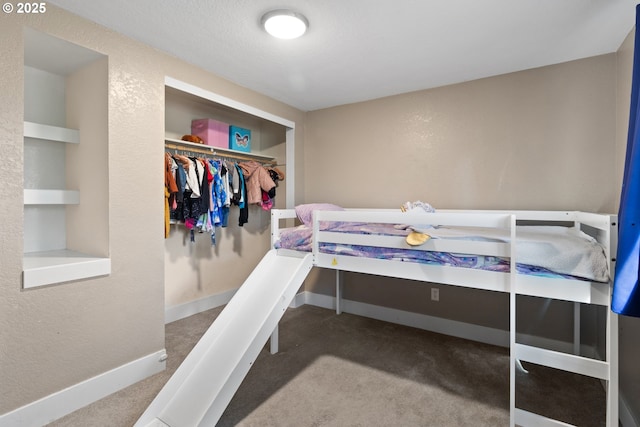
[239,139]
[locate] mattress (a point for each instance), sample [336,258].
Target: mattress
[549,251]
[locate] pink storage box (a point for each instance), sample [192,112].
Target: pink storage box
[212,132]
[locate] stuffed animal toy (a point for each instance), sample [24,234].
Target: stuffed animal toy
[192,138]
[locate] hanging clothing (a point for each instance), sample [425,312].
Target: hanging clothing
[226,203]
[267,201]
[192,207]
[170,191]
[203,188]
[237,188]
[241,196]
[204,223]
[169,174]
[177,213]
[257,179]
[276,174]
[244,208]
[626,286]
[218,193]
[199,192]
[167,213]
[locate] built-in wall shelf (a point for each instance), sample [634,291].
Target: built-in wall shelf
[51,197]
[51,133]
[50,267]
[65,98]
[177,144]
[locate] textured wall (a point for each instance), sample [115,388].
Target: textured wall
[537,139]
[11,244]
[54,337]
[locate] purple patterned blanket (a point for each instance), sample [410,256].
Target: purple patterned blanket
[541,250]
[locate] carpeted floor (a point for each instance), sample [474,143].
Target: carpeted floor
[352,371]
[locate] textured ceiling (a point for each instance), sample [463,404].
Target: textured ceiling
[357,50]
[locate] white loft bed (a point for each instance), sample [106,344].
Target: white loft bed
[602,227]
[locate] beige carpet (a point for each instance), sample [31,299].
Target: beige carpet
[351,371]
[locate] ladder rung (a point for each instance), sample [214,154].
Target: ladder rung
[566,362]
[526,418]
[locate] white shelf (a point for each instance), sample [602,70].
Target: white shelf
[224,152]
[53,99]
[51,133]
[51,197]
[47,268]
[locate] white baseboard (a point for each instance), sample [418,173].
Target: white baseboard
[63,402]
[299,300]
[181,311]
[439,325]
[75,397]
[177,312]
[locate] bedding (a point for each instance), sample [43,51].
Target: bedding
[551,251]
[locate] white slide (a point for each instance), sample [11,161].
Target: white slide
[201,388]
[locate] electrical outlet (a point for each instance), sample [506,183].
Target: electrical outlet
[435,294]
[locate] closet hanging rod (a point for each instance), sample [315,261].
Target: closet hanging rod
[212,152]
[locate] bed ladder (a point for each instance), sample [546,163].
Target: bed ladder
[606,370]
[603,370]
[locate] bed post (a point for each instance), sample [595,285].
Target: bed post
[612,357]
[576,328]
[338,291]
[275,232]
[612,333]
[273,342]
[576,312]
[512,323]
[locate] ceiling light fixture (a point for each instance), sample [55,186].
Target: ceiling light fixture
[284,24]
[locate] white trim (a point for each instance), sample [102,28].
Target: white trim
[439,325]
[223,100]
[627,418]
[70,399]
[290,167]
[319,300]
[181,311]
[299,300]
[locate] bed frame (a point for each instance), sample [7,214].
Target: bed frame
[603,227]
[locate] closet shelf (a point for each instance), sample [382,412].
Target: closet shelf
[51,133]
[47,268]
[176,144]
[51,197]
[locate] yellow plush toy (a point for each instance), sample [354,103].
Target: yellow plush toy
[416,239]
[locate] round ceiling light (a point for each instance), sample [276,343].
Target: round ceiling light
[285,24]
